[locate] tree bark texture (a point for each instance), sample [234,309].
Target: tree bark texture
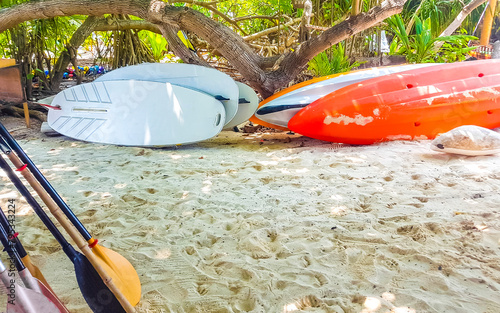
[461,17]
[75,42]
[252,67]
[304,33]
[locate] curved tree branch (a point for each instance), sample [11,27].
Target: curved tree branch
[461,17]
[270,30]
[252,17]
[200,3]
[77,39]
[232,46]
[225,17]
[120,24]
[293,63]
[178,47]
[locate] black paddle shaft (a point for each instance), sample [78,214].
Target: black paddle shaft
[35,205]
[97,295]
[44,182]
[7,244]
[4,221]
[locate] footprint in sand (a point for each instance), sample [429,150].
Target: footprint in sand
[133,200]
[304,303]
[151,191]
[202,288]
[247,304]
[416,232]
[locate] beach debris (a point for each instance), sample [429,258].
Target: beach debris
[468,140]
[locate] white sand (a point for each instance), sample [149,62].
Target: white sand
[279,223]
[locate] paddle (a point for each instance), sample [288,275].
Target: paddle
[21,299]
[118,274]
[97,295]
[28,280]
[34,270]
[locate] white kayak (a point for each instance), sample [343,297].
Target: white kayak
[280,110]
[247,105]
[136,113]
[196,77]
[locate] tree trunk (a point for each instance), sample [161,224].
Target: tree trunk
[232,46]
[178,47]
[75,42]
[304,33]
[461,17]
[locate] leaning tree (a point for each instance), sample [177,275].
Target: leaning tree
[265,74]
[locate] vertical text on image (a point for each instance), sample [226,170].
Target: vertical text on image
[11,217]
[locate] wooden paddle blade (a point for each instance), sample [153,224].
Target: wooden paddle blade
[35,271]
[97,295]
[121,271]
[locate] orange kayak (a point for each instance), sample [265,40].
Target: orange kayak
[257,120]
[416,104]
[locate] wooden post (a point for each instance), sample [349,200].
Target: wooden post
[26,114]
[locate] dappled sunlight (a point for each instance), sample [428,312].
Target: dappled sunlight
[98,196]
[55,151]
[105,195]
[9,194]
[188,213]
[267,163]
[371,305]
[6,194]
[163,254]
[284,170]
[185,194]
[292,307]
[337,197]
[63,168]
[24,210]
[357,159]
[482,227]
[388,296]
[288,158]
[207,186]
[177,156]
[339,210]
[379,305]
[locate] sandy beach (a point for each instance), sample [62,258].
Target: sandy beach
[275,222]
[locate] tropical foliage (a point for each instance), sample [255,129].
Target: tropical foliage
[332,61]
[419,47]
[274,24]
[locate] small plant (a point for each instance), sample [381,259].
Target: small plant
[331,61]
[423,47]
[158,45]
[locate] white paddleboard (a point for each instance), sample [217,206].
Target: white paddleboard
[136,113]
[200,78]
[280,110]
[247,104]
